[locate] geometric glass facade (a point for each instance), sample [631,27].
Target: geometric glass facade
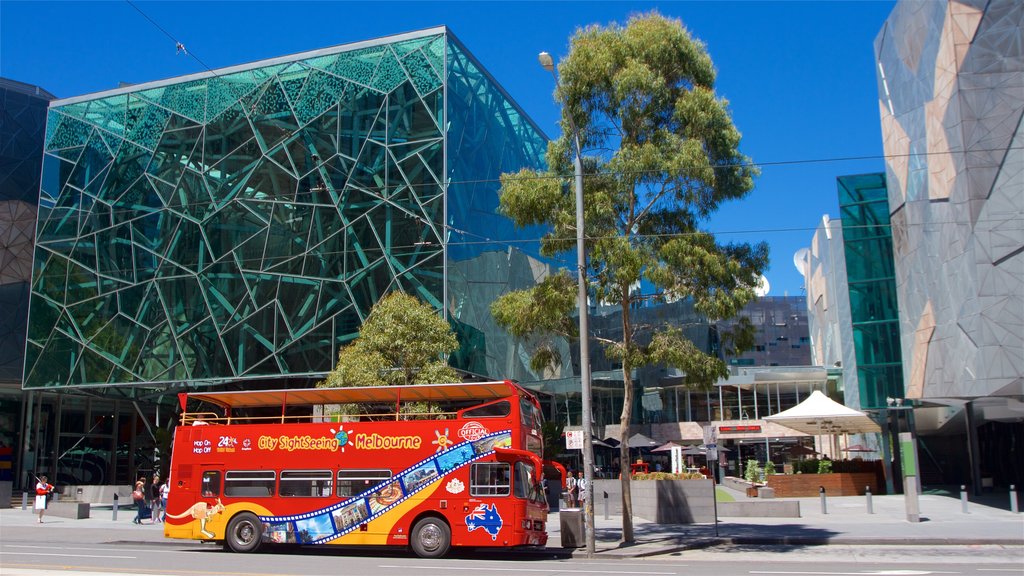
[241,223]
[870,278]
[951,97]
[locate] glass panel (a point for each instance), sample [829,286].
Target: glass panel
[237,225]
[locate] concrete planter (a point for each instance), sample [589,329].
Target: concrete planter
[660,501]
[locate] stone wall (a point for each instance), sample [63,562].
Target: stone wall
[660,501]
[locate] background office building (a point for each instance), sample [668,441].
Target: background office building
[236,227]
[22,126]
[951,97]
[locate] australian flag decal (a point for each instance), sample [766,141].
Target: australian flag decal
[485,517]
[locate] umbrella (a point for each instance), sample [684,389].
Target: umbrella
[612,442]
[798,450]
[859,448]
[600,443]
[640,441]
[694,451]
[666,447]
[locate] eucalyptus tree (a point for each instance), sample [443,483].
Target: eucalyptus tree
[660,155]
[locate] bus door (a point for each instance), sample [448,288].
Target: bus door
[207,500]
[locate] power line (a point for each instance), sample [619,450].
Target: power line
[178,46]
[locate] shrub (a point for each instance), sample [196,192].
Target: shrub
[769,468]
[824,466]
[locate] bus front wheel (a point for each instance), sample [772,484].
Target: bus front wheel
[431,538]
[245,532]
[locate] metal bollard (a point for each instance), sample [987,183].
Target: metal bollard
[1013,499]
[867,493]
[605,505]
[24,500]
[114,518]
[963,499]
[824,505]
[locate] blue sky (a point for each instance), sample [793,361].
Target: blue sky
[799,75]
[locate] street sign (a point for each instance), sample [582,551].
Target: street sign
[574,440]
[710,433]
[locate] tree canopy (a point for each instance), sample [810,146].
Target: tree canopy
[660,155]
[402,341]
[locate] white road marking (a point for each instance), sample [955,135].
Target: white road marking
[861,573]
[66,555]
[552,570]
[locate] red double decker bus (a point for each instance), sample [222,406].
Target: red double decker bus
[278,467]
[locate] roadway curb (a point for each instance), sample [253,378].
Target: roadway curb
[626,552]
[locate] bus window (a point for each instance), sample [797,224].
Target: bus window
[250,484]
[526,486]
[529,414]
[211,484]
[489,479]
[306,483]
[352,482]
[493,410]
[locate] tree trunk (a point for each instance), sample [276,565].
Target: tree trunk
[624,420]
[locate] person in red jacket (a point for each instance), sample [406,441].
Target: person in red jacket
[43,490]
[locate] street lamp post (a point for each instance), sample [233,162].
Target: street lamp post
[548,63]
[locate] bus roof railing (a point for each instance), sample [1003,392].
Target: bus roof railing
[459,392]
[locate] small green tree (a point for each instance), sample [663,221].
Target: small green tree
[769,468]
[752,471]
[661,156]
[824,466]
[402,341]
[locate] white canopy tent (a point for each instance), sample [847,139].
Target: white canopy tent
[819,415]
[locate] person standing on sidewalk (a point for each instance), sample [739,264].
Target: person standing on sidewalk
[43,491]
[581,489]
[165,491]
[154,497]
[570,489]
[139,497]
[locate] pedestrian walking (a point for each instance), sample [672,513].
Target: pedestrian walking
[43,491]
[154,497]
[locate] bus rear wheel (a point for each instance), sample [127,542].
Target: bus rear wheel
[431,538]
[245,533]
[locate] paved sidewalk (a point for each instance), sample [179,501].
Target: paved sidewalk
[847,522]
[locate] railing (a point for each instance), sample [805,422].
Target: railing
[211,418]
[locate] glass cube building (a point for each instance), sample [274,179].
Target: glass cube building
[240,224]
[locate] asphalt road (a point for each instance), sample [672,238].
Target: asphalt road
[24,557]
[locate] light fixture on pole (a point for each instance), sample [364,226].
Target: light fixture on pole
[548,63]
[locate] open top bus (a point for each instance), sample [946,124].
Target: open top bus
[426,467]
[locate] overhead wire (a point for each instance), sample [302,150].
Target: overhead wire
[178,45]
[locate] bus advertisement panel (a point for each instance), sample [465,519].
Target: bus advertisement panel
[467,473]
